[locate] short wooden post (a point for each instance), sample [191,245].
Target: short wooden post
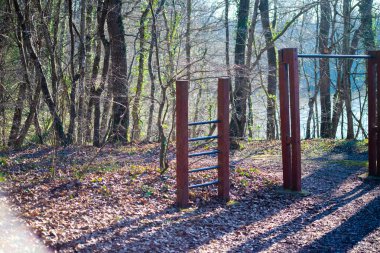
[182,147]
[290,127]
[223,139]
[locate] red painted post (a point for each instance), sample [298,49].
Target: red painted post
[292,57]
[372,131]
[223,139]
[377,172]
[182,136]
[284,116]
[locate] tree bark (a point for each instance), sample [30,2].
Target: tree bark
[365,8]
[81,72]
[272,71]
[118,75]
[102,11]
[136,129]
[324,81]
[241,92]
[187,39]
[74,78]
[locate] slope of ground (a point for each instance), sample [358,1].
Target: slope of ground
[82,199]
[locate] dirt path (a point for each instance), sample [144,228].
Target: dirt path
[120,204]
[15,236]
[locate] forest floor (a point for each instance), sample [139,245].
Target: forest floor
[82,199]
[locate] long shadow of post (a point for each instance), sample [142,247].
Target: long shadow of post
[348,234]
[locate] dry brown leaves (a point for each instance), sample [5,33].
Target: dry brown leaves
[116,201]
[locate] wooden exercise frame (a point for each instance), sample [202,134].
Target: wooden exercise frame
[182,142]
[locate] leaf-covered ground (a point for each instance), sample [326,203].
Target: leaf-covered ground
[82,199]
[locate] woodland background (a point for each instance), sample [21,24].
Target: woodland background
[103,71]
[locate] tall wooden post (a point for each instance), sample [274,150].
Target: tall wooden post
[290,126]
[377,135]
[284,117]
[373,77]
[182,136]
[223,139]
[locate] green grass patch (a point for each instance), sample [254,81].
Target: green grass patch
[351,163]
[3,161]
[3,177]
[232,203]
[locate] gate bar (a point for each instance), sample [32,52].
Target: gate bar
[204,184]
[202,138]
[204,169]
[336,56]
[203,122]
[204,153]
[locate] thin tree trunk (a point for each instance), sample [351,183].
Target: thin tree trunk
[324,81]
[150,67]
[251,37]
[272,70]
[93,93]
[70,133]
[347,68]
[227,27]
[136,129]
[81,71]
[196,111]
[187,39]
[152,89]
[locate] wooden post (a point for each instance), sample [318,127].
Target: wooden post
[295,118]
[223,139]
[182,136]
[372,128]
[377,135]
[284,116]
[290,127]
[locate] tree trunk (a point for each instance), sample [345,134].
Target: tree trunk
[324,81]
[365,8]
[102,11]
[187,38]
[136,129]
[347,68]
[81,71]
[118,75]
[74,78]
[272,71]
[227,27]
[152,77]
[241,92]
